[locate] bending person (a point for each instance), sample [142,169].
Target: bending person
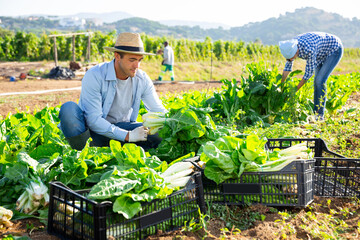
[322,52]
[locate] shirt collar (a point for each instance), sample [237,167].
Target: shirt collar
[110,74]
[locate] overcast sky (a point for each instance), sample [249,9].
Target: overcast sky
[229,12]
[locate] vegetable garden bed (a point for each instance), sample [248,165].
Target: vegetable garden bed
[335,130]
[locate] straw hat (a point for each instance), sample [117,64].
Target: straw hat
[129,43]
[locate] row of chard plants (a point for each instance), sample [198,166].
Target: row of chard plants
[33,151]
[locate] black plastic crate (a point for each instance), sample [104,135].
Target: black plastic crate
[73,216]
[317,145]
[291,186]
[337,177]
[334,175]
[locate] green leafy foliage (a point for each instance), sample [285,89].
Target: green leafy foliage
[261,97]
[258,97]
[185,130]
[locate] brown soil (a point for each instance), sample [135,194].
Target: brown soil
[31,101]
[270,228]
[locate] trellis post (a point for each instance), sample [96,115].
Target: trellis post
[73,48]
[73,45]
[55,52]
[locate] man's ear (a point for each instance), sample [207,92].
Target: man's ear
[117,56]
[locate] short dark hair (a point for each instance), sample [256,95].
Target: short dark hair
[121,54]
[166,43]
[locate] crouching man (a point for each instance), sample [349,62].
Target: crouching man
[110,98]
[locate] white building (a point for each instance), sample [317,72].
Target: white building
[72,22]
[95,21]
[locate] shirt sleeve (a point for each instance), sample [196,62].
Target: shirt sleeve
[150,98]
[288,66]
[92,107]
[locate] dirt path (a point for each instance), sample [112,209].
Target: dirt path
[31,102]
[24,102]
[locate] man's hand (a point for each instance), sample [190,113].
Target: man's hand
[138,134]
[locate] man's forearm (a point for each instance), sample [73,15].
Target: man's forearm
[301,83]
[284,76]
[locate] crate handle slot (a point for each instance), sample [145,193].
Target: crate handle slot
[240,188]
[154,218]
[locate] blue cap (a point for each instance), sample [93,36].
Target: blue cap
[288,48]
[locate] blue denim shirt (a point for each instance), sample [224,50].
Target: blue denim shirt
[98,92]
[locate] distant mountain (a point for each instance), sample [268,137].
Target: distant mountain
[153,28]
[108,17]
[307,19]
[269,32]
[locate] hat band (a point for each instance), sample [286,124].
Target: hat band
[131,49]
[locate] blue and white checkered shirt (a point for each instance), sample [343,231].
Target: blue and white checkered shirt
[314,47]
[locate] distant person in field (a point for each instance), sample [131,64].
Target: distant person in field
[322,52]
[110,99]
[168,62]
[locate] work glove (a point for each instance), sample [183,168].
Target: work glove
[138,134]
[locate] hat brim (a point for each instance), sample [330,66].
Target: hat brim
[112,49]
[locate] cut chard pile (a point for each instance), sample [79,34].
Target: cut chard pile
[178,174]
[5,216]
[35,195]
[228,157]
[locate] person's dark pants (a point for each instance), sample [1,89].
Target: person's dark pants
[74,128]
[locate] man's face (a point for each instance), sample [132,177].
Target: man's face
[127,65]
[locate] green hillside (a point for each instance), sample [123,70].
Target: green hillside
[269,32]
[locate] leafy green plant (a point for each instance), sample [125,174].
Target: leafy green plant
[340,88]
[285,229]
[226,103]
[229,233]
[259,97]
[235,217]
[184,130]
[195,225]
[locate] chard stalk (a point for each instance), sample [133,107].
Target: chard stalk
[177,167]
[45,200]
[177,175]
[28,207]
[294,150]
[5,216]
[180,182]
[22,200]
[35,203]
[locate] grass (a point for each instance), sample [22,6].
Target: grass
[340,131]
[217,70]
[206,71]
